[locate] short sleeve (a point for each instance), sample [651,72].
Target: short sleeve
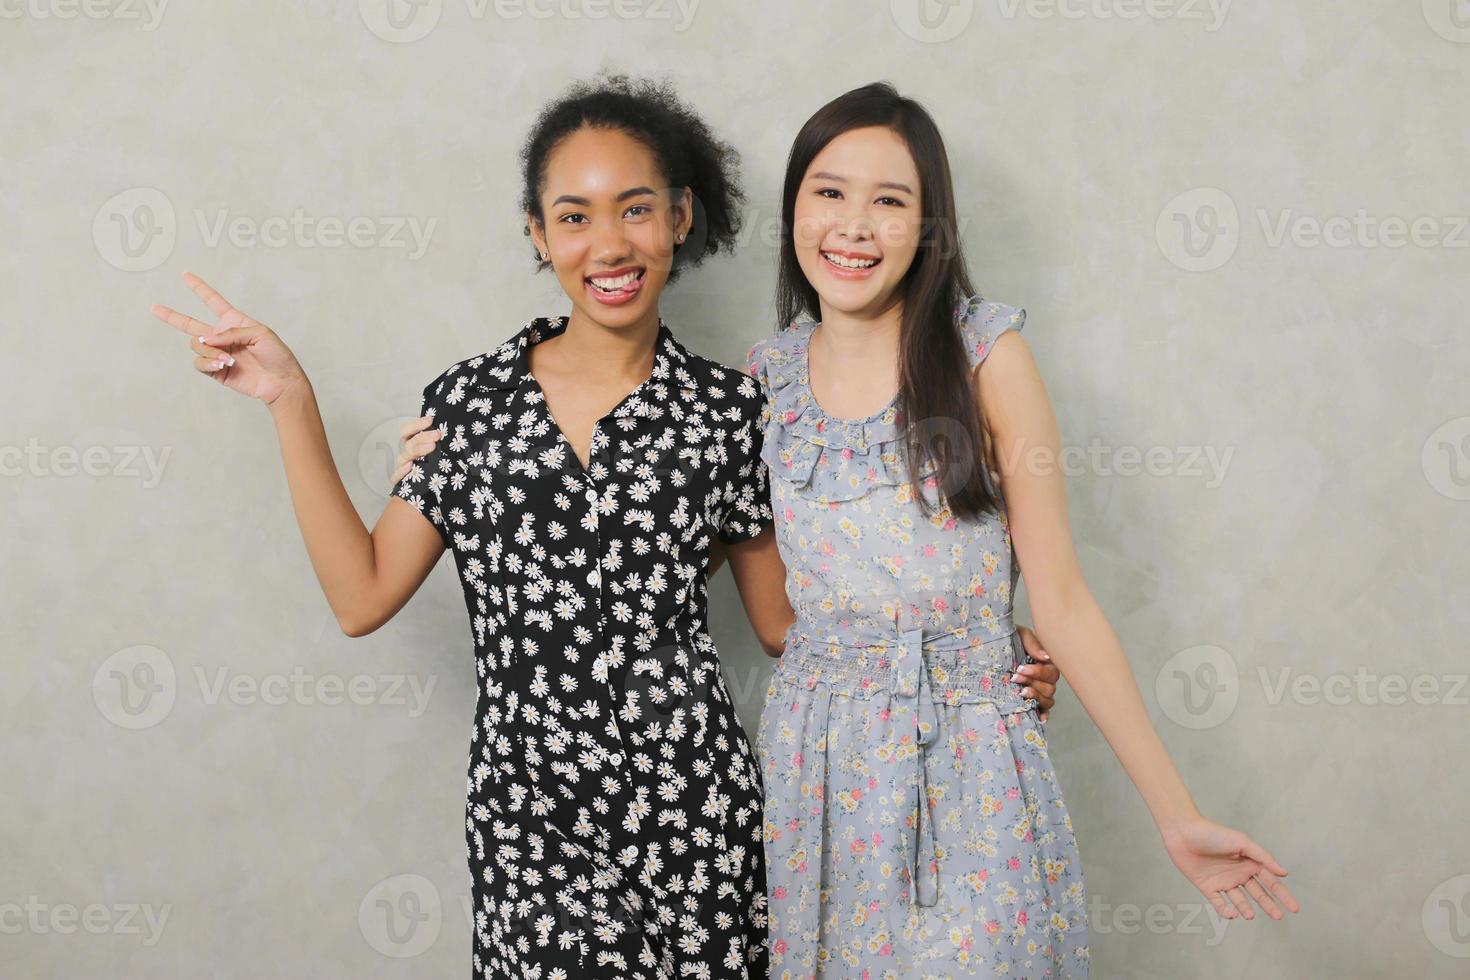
[756,367]
[747,496]
[982,321]
[432,478]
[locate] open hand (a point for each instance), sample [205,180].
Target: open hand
[1224,863]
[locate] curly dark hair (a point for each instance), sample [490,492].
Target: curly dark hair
[687,153]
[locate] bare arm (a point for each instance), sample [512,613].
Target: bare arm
[1067,617]
[1223,863]
[760,575]
[367,576]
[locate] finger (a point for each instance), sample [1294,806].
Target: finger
[1261,856]
[1042,692]
[174,318]
[1032,644]
[1222,907]
[1238,897]
[1278,889]
[233,337]
[211,365]
[212,299]
[198,346]
[414,425]
[1045,672]
[1042,716]
[425,442]
[1254,889]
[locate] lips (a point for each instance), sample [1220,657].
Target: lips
[849,265]
[617,286]
[850,260]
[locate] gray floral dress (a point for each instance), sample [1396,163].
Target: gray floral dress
[914,826]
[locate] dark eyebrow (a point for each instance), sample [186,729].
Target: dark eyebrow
[887,184]
[583,202]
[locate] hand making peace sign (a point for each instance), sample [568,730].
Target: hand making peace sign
[239,352]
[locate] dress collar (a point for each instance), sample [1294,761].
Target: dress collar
[508,367]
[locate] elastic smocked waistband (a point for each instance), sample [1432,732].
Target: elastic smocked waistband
[952,668]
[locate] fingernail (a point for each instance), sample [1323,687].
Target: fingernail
[219,364]
[1017,676]
[230,358]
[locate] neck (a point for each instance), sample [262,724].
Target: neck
[864,334]
[592,349]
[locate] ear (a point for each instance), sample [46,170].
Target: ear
[683,212]
[537,233]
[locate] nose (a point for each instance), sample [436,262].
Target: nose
[609,244]
[854,223]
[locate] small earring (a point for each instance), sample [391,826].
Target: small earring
[544,257]
[679,239]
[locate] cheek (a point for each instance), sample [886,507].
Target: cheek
[809,228]
[899,237]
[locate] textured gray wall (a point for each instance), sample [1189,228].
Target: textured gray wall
[1239,231]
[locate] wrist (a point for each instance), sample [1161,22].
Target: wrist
[295,394]
[1173,823]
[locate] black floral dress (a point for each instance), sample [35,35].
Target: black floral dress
[613,805]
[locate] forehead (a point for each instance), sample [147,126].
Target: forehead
[870,155]
[596,160]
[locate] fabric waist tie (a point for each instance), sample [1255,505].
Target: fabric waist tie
[960,666]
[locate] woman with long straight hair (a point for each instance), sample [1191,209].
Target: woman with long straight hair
[914,823]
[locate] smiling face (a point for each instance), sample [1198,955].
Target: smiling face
[610,225]
[856,224]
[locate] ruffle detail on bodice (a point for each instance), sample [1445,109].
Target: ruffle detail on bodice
[836,459]
[831,458]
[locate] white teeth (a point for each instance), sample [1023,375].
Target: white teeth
[847,263]
[613,285]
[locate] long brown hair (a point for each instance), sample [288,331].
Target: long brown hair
[943,421]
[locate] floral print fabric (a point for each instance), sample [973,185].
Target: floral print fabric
[914,826]
[612,809]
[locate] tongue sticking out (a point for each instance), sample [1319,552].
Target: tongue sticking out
[629,287]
